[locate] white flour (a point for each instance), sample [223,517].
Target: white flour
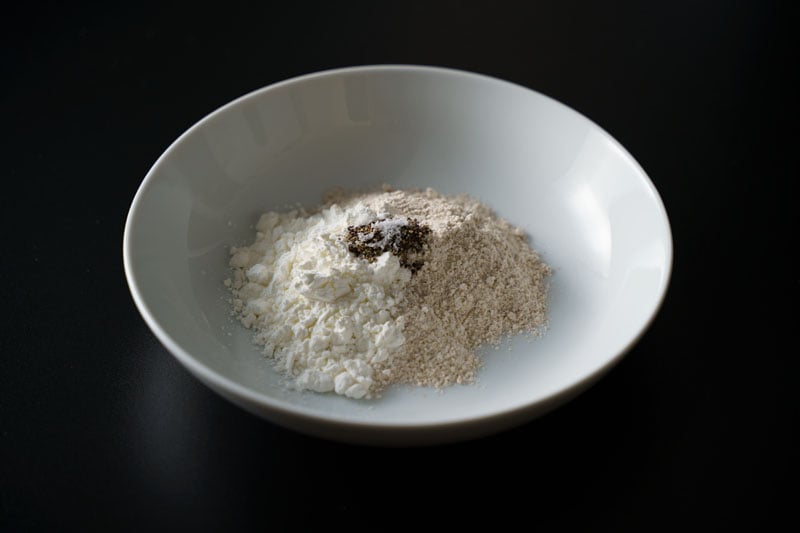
[326,317]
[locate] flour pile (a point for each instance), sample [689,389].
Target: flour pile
[392,287]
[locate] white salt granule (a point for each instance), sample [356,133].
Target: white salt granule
[389,230]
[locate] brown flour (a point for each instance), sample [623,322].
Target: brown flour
[480,281]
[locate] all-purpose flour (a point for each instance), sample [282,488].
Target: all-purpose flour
[325,316]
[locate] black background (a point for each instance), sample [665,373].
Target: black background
[101,428]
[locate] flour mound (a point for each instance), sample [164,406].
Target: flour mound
[326,317]
[481,281]
[338,313]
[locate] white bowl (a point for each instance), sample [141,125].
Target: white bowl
[590,209]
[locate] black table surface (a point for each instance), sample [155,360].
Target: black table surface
[100,428]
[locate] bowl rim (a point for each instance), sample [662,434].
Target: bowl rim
[232,388]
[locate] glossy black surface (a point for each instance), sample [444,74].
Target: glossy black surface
[100,428]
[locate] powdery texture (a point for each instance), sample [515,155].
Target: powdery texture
[326,317]
[481,280]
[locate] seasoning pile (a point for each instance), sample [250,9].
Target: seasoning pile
[392,287]
[405,238]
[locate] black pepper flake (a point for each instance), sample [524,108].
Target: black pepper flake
[408,241]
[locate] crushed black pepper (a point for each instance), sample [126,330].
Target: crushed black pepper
[409,241]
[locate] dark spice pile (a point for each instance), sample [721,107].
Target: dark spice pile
[408,240]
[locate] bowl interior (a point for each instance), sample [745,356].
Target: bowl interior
[589,208]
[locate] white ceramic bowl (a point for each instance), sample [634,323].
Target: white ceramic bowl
[591,210]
